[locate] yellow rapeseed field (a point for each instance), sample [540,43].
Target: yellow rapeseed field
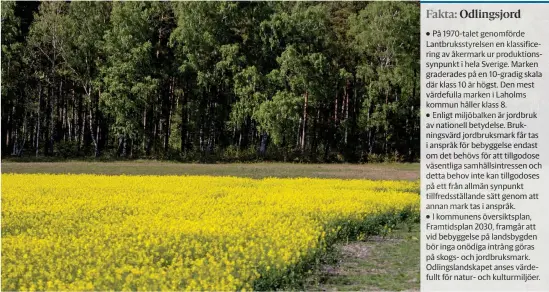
[91,232]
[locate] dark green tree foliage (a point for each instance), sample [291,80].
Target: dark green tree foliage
[385,37]
[86,25]
[128,73]
[206,81]
[12,89]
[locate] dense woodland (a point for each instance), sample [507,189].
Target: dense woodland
[211,81]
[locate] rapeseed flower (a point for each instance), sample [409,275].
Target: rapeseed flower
[93,232]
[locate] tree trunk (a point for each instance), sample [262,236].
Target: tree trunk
[335,109]
[81,124]
[144,144]
[168,118]
[304,130]
[184,124]
[315,134]
[346,112]
[263,146]
[37,140]
[49,118]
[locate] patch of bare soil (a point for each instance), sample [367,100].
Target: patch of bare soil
[356,250]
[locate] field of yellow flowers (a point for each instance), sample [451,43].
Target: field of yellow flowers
[93,232]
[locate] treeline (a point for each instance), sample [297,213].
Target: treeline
[202,81]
